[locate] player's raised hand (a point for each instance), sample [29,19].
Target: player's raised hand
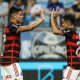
[42,14]
[54,13]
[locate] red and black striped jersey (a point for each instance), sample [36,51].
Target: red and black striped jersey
[73,49]
[11,45]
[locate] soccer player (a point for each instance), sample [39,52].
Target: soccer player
[72,72]
[10,69]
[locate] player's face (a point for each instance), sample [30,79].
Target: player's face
[65,24]
[19,17]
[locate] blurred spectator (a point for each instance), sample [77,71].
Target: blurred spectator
[28,17]
[11,3]
[4,8]
[55,4]
[32,10]
[20,4]
[75,10]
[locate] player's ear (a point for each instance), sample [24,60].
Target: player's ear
[14,16]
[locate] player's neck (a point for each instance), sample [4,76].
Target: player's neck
[14,22]
[71,26]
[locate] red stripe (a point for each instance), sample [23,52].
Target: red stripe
[75,37]
[71,43]
[12,38]
[6,63]
[72,57]
[8,57]
[71,50]
[74,63]
[12,51]
[6,29]
[8,45]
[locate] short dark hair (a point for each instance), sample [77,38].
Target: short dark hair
[69,17]
[14,10]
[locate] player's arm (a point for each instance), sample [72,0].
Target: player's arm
[32,25]
[55,28]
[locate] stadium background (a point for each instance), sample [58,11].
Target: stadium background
[43,54]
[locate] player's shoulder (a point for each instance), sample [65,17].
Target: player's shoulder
[10,25]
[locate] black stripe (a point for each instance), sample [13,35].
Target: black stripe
[8,48]
[8,41]
[8,60]
[76,66]
[17,41]
[11,41]
[74,41]
[16,48]
[10,54]
[74,48]
[7,54]
[12,47]
[12,34]
[75,60]
[16,55]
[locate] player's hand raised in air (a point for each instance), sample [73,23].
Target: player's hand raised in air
[42,14]
[54,13]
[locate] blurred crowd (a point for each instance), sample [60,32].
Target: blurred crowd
[31,7]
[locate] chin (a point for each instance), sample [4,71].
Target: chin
[20,21]
[65,27]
